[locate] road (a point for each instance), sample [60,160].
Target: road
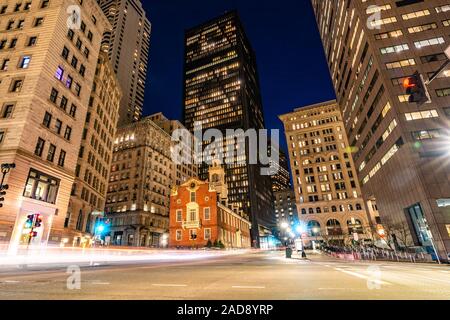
[246,276]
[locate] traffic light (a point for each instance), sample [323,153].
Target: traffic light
[3,189]
[29,222]
[38,222]
[416,89]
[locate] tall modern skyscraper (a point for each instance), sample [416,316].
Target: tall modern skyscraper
[221,91]
[128,45]
[401,149]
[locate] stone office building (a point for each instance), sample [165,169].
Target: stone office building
[87,201]
[47,72]
[327,192]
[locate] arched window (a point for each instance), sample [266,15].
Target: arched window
[67,220]
[313,228]
[303,211]
[358,206]
[89,223]
[80,221]
[333,209]
[311,211]
[350,207]
[334,228]
[215,177]
[355,226]
[318,210]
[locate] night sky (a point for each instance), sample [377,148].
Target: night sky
[283,33]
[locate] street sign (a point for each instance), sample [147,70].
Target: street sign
[447,52]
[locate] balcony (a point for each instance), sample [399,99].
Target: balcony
[197,224]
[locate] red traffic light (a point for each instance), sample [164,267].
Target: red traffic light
[409,82]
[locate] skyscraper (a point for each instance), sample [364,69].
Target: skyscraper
[221,91]
[401,149]
[128,45]
[282,179]
[48,70]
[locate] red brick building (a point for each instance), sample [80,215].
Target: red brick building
[199,212]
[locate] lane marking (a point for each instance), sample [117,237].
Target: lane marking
[100,283]
[168,285]
[248,287]
[11,281]
[361,276]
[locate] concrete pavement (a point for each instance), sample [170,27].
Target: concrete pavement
[247,276]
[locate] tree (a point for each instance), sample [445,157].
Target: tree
[221,245]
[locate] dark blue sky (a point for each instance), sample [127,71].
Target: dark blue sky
[283,33]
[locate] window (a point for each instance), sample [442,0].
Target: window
[20,24]
[70,34]
[51,153]
[192,197]
[90,36]
[38,22]
[192,215]
[39,147]
[422,28]
[41,187]
[62,158]
[421,115]
[417,14]
[2,136]
[429,42]
[69,82]
[192,234]
[25,62]
[86,53]
[59,73]
[82,70]
[5,64]
[65,53]
[13,43]
[3,9]
[207,214]
[16,85]
[73,110]
[7,110]
[179,215]
[10,25]
[58,126]
[63,104]
[179,235]
[32,41]
[68,133]
[79,225]
[426,134]
[207,233]
[78,44]
[74,62]
[401,63]
[54,95]
[77,89]
[27,6]
[395,49]
[47,119]
[443,92]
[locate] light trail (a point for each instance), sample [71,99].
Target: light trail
[92,256]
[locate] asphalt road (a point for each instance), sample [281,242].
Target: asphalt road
[247,276]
